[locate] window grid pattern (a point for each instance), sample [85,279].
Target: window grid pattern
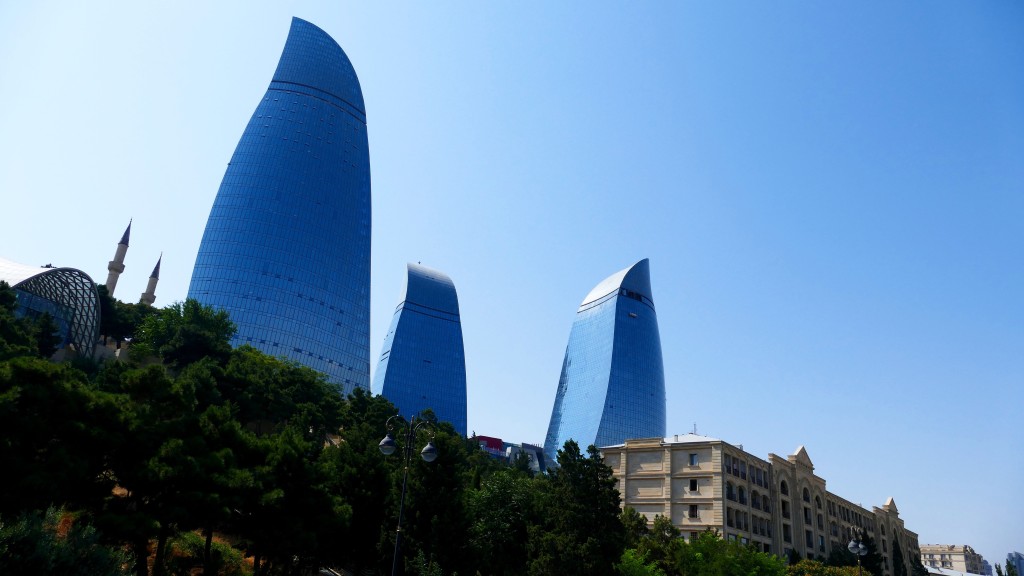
[612,385]
[422,363]
[69,296]
[286,250]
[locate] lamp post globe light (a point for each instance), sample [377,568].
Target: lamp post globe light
[858,549]
[428,453]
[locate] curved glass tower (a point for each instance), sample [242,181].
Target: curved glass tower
[286,251]
[612,385]
[423,364]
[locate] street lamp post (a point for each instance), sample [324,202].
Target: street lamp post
[858,549]
[429,454]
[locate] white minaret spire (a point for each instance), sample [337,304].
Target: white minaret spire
[149,296]
[116,266]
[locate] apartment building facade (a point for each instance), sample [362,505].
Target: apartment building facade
[959,557]
[777,504]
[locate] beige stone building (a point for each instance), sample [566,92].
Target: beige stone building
[961,558]
[778,504]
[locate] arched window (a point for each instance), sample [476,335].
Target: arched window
[784,488]
[743,495]
[817,502]
[807,495]
[729,491]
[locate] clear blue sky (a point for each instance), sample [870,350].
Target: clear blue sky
[831,196]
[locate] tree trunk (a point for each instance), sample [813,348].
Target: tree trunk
[256,564]
[141,548]
[207,559]
[161,544]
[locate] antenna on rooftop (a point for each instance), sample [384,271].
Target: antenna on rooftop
[694,428]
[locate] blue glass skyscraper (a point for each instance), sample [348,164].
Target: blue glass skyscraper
[422,364]
[286,249]
[612,385]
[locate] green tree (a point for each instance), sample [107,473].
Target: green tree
[581,532]
[188,550]
[436,504]
[917,568]
[663,544]
[364,476]
[120,321]
[183,333]
[815,568]
[46,334]
[633,563]
[899,567]
[16,335]
[293,516]
[147,462]
[521,463]
[1011,570]
[503,509]
[287,503]
[872,562]
[55,543]
[840,556]
[710,555]
[635,525]
[54,434]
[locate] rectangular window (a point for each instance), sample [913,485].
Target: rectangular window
[694,536]
[694,513]
[693,459]
[809,539]
[693,484]
[786,534]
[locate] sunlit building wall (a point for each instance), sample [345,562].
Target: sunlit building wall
[286,251]
[959,557]
[775,504]
[612,385]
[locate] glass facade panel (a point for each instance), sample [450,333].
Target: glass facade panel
[422,364]
[286,251]
[612,385]
[68,295]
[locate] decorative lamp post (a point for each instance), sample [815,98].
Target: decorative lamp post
[429,454]
[858,549]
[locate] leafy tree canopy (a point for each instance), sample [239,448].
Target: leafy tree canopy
[183,333]
[53,542]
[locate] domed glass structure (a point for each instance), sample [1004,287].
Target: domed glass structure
[68,295]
